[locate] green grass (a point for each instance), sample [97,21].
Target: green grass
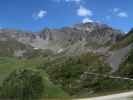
[8,65]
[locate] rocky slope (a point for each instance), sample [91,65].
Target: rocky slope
[89,33]
[89,37]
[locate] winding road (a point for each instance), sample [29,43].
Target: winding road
[120,96]
[110,76]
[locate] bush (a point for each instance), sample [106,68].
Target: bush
[22,84]
[67,72]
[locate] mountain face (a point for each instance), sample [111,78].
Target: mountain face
[74,40]
[93,35]
[89,32]
[55,39]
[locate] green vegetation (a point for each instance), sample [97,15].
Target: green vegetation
[62,76]
[94,63]
[23,84]
[128,39]
[99,84]
[9,65]
[74,75]
[67,71]
[126,68]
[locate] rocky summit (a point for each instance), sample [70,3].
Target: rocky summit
[89,34]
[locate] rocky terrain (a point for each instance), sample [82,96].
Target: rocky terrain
[74,40]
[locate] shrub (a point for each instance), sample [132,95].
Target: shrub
[22,84]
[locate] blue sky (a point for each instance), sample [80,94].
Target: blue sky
[34,15]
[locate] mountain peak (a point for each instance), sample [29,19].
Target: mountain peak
[90,26]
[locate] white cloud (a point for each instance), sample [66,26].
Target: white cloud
[41,14]
[82,11]
[87,19]
[122,14]
[77,1]
[116,10]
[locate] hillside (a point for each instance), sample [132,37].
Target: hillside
[126,68]
[126,40]
[78,61]
[8,65]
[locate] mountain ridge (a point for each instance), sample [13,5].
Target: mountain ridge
[77,39]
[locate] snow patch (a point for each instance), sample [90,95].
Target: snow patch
[60,50]
[36,48]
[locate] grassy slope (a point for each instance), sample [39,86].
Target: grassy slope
[67,71]
[128,39]
[7,65]
[70,71]
[126,68]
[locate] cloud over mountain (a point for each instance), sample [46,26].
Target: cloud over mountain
[82,11]
[39,15]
